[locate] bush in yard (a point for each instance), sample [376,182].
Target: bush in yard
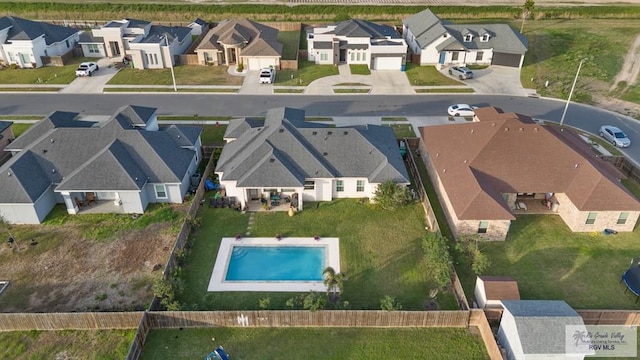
[314,301]
[390,195]
[437,255]
[265,303]
[468,246]
[168,289]
[389,303]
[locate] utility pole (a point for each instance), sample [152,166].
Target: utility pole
[566,106]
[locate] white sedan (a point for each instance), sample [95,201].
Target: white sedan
[461,110]
[615,136]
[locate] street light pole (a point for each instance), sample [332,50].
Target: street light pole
[566,106]
[173,75]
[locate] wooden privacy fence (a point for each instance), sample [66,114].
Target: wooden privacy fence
[478,320]
[69,321]
[625,165]
[610,317]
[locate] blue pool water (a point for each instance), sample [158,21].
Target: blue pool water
[276,263]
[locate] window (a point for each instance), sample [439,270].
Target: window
[484,38]
[360,186]
[468,37]
[352,55]
[93,48]
[479,55]
[482,227]
[454,56]
[622,219]
[67,42]
[339,185]
[309,185]
[24,58]
[155,58]
[591,218]
[364,56]
[161,191]
[324,57]
[358,56]
[208,57]
[10,55]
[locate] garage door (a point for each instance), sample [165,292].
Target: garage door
[506,59]
[387,63]
[257,63]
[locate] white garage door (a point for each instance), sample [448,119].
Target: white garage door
[387,63]
[257,63]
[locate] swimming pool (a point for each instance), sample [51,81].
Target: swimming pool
[267,264]
[283,263]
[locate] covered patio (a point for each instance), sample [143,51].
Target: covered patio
[535,204]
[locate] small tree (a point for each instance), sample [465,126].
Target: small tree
[334,282]
[391,196]
[527,10]
[479,262]
[389,303]
[437,257]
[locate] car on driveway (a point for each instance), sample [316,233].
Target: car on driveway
[86,69]
[615,136]
[461,110]
[267,76]
[461,72]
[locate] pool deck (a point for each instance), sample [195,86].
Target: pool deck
[218,282]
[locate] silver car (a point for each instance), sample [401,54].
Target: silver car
[615,136]
[461,72]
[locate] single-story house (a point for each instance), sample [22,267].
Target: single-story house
[491,290]
[121,164]
[355,41]
[286,155]
[443,43]
[241,41]
[24,42]
[488,170]
[147,46]
[536,329]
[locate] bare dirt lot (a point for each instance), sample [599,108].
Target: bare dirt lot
[90,262]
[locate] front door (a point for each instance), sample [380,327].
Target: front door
[253,194]
[442,57]
[343,55]
[115,48]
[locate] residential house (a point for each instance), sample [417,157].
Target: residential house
[122,164]
[491,290]
[24,42]
[443,43]
[6,137]
[146,45]
[502,164]
[355,41]
[537,329]
[241,41]
[286,155]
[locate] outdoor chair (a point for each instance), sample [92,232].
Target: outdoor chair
[91,198]
[79,202]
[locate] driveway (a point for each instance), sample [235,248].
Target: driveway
[92,84]
[382,82]
[251,84]
[496,80]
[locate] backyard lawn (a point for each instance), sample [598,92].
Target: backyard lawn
[87,345]
[316,343]
[185,75]
[428,76]
[380,253]
[551,262]
[290,41]
[306,73]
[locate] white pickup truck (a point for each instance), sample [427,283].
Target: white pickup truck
[86,69]
[267,76]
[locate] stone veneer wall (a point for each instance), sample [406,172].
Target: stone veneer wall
[576,219]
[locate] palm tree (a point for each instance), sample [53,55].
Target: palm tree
[334,282]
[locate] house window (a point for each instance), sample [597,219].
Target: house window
[309,185]
[479,55]
[468,38]
[339,185]
[67,42]
[360,186]
[364,56]
[591,218]
[24,58]
[484,38]
[454,56]
[93,48]
[358,56]
[161,191]
[324,57]
[208,57]
[352,55]
[155,58]
[482,227]
[10,55]
[622,219]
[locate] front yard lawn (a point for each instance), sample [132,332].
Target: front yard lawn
[428,76]
[380,253]
[316,343]
[306,73]
[551,262]
[185,75]
[19,128]
[290,41]
[359,69]
[403,130]
[43,75]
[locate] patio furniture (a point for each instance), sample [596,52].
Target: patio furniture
[521,205]
[91,198]
[79,203]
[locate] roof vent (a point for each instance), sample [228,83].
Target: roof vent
[345,133]
[325,153]
[521,129]
[272,160]
[329,132]
[178,136]
[314,133]
[535,129]
[281,130]
[472,131]
[52,141]
[444,170]
[437,154]
[9,173]
[44,151]
[506,129]
[465,161]
[576,165]
[493,124]
[53,171]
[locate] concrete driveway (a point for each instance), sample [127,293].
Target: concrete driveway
[92,84]
[382,82]
[495,80]
[251,84]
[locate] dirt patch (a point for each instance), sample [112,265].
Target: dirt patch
[630,68]
[620,106]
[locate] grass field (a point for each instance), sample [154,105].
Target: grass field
[428,76]
[185,75]
[290,41]
[316,343]
[306,73]
[359,69]
[43,75]
[212,134]
[403,130]
[87,345]
[551,262]
[19,128]
[381,254]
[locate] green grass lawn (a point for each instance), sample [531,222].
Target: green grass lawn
[290,41]
[88,345]
[632,186]
[43,75]
[445,90]
[185,75]
[403,130]
[381,254]
[428,76]
[316,343]
[306,73]
[19,128]
[351,91]
[551,262]
[359,69]
[212,134]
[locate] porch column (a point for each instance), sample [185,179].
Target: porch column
[300,198]
[70,203]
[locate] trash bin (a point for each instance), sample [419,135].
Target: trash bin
[403,67]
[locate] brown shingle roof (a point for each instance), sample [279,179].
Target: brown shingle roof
[500,288]
[255,39]
[509,153]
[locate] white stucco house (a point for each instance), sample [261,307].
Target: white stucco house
[355,41]
[119,165]
[148,46]
[283,154]
[443,43]
[24,42]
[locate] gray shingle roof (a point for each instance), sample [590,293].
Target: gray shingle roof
[184,135]
[115,156]
[286,151]
[57,119]
[157,34]
[5,125]
[23,29]
[425,26]
[363,28]
[88,38]
[136,23]
[541,324]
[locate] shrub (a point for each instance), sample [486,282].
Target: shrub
[390,195]
[437,256]
[389,303]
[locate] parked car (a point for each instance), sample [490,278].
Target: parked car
[615,136]
[461,72]
[462,110]
[86,69]
[267,76]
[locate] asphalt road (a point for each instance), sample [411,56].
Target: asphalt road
[581,116]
